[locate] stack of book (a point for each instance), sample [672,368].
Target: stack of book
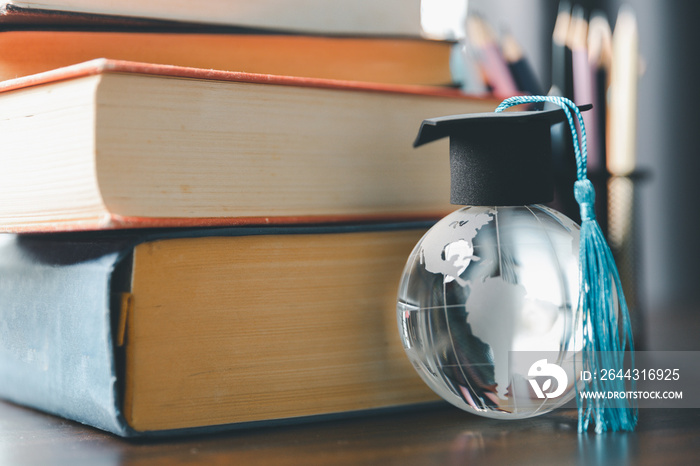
[205,225]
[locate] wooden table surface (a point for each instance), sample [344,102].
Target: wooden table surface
[439,435]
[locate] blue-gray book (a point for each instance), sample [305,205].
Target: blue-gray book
[151,333]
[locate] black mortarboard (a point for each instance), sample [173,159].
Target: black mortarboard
[497,159]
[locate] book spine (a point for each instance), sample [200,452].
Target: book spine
[56,350]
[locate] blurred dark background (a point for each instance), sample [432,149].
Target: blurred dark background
[668,126]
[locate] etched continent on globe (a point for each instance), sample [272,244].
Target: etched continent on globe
[494,299]
[452,254]
[496,324]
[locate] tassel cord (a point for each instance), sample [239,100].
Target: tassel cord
[606,327]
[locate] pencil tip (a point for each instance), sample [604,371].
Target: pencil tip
[561,25]
[512,51]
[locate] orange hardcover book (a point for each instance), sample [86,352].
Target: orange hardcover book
[376,59]
[115,144]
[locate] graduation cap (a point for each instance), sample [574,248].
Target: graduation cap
[498,159]
[504,159]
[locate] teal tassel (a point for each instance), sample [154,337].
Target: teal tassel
[607,330]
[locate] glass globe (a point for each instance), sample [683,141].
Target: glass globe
[487,306]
